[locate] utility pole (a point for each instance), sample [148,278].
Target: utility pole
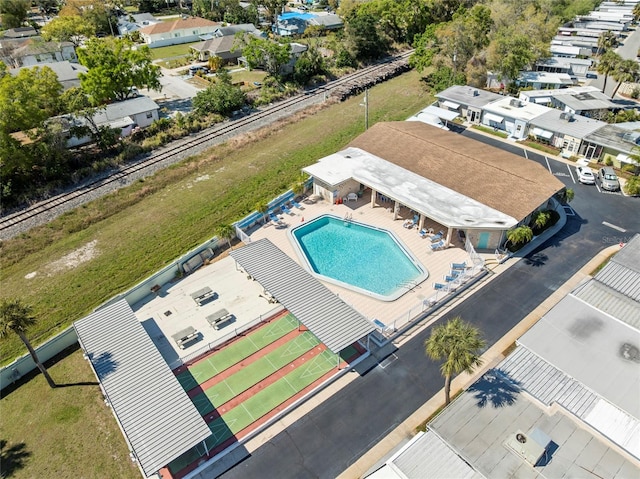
[365,103]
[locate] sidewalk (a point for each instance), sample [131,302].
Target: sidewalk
[493,356]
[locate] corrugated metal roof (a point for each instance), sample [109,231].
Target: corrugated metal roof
[158,418]
[609,301]
[622,272]
[334,322]
[548,384]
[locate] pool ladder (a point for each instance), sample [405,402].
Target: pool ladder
[408,284]
[348,217]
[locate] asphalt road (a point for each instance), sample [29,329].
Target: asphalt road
[334,435]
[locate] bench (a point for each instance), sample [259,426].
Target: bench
[202,294]
[218,318]
[182,338]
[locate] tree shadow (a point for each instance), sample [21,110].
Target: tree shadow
[82,383]
[495,388]
[12,458]
[536,259]
[103,364]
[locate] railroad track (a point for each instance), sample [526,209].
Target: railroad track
[339,88]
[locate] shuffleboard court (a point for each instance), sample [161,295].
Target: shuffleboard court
[255,372]
[258,405]
[237,351]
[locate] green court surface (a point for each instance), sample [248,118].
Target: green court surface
[258,405]
[236,352]
[255,372]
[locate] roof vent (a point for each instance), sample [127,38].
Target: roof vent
[565,115]
[476,93]
[531,447]
[515,103]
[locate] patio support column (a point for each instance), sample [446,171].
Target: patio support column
[374,195]
[396,209]
[421,222]
[449,232]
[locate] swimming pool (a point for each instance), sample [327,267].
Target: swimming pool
[360,257]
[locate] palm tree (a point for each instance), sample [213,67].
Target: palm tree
[299,185]
[262,207]
[608,63]
[16,317]
[606,41]
[636,12]
[627,70]
[226,232]
[458,344]
[521,234]
[540,219]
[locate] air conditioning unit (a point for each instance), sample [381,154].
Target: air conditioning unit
[515,103]
[565,115]
[531,447]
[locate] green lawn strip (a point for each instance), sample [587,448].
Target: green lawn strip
[171,51]
[260,404]
[236,352]
[255,372]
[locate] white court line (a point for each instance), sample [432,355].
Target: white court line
[571,174]
[622,230]
[548,165]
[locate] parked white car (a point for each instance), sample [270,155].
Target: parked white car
[585,175]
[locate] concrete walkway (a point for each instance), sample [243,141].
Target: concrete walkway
[492,357]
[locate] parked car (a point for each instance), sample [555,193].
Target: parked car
[608,179]
[585,175]
[193,69]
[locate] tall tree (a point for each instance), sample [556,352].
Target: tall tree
[13,12]
[222,97]
[363,37]
[509,53]
[71,28]
[457,343]
[273,8]
[268,53]
[115,67]
[16,317]
[626,71]
[607,64]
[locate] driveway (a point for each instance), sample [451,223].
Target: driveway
[334,435]
[628,50]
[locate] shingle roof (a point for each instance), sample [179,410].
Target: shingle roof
[493,177]
[157,417]
[178,24]
[328,317]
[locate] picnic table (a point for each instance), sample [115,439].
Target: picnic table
[219,317]
[185,336]
[202,294]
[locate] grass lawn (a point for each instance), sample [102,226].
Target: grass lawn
[248,76]
[171,51]
[62,432]
[128,235]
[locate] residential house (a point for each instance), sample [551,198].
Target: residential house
[295,23]
[611,142]
[544,80]
[440,175]
[579,100]
[563,130]
[222,42]
[66,72]
[467,101]
[511,115]
[125,115]
[20,32]
[181,30]
[134,22]
[35,52]
[330,21]
[574,67]
[564,403]
[297,49]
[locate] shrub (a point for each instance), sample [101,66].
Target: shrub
[632,187]
[608,161]
[635,93]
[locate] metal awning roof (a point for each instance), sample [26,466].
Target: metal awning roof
[542,99]
[440,113]
[493,117]
[450,104]
[542,133]
[157,417]
[330,319]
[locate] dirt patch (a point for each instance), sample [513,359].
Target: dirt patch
[74,259]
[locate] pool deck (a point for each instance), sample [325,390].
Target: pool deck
[437,263]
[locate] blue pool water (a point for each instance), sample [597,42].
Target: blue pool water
[364,258]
